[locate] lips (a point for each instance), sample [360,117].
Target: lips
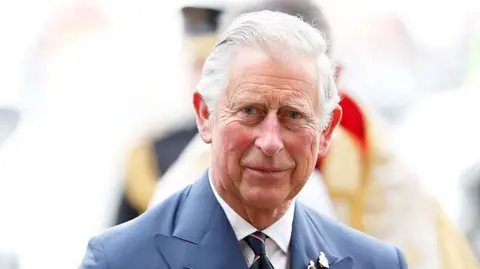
[263,169]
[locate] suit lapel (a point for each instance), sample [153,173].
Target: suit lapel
[307,243]
[203,237]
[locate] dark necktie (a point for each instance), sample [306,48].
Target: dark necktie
[256,241]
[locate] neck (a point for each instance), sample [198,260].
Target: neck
[260,218]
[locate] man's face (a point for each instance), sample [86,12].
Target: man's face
[265,131]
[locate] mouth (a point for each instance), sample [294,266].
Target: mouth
[266,170]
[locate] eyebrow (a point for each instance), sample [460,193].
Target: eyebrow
[300,106]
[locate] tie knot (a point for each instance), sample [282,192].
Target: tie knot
[256,241]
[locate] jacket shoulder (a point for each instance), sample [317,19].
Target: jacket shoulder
[132,244]
[346,241]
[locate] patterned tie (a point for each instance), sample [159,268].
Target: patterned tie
[256,241]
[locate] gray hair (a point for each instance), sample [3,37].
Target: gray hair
[279,35]
[308,10]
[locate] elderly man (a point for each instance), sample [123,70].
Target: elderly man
[175,177]
[268,105]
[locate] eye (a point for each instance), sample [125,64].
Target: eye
[249,111]
[294,114]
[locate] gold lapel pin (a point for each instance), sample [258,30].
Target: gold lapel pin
[311,265]
[322,260]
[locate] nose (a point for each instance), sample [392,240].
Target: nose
[269,140]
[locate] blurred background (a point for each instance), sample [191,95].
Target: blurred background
[82,83]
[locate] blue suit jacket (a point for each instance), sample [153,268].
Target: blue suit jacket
[190,230]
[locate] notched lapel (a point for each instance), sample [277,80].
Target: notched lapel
[307,243]
[345,263]
[219,247]
[203,237]
[173,250]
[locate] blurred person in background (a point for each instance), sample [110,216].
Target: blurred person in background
[377,194]
[439,138]
[457,107]
[152,157]
[82,92]
[58,167]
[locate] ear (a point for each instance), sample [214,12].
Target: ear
[203,117]
[326,135]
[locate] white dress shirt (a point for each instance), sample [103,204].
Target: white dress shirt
[279,234]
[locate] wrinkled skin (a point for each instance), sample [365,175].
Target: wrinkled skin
[265,134]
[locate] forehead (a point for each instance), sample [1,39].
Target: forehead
[254,74]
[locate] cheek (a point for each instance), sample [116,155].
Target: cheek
[304,142]
[236,138]
[303,148]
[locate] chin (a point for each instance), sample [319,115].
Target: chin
[263,201]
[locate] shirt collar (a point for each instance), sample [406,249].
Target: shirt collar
[280,232]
